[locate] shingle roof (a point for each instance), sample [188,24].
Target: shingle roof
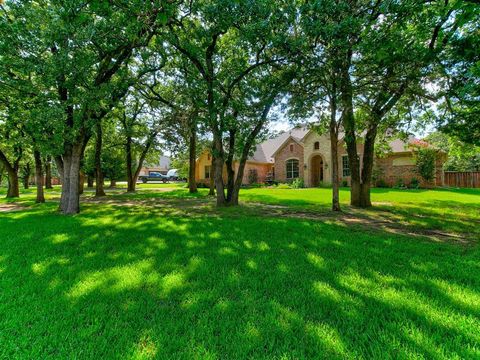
[399,145]
[264,151]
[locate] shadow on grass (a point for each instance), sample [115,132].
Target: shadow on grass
[117,282]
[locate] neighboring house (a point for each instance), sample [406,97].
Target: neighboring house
[162,167]
[303,153]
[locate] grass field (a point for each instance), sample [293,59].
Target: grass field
[163,274]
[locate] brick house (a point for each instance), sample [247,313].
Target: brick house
[303,153]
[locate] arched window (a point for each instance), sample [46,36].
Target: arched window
[316,145]
[292,169]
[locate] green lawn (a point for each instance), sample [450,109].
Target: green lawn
[166,275]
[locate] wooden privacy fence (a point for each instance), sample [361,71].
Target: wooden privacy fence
[463,179]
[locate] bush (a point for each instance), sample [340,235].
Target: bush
[400,184]
[298,183]
[344,183]
[425,162]
[381,183]
[414,183]
[283,186]
[324,185]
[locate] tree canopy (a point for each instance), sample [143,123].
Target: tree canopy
[215,70]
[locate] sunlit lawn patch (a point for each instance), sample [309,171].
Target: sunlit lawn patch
[159,280]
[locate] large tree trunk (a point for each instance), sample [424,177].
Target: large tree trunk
[81,182]
[99,178]
[131,181]
[90,180]
[218,165]
[230,180]
[334,147]
[211,191]
[367,167]
[113,183]
[334,161]
[59,163]
[26,176]
[39,176]
[348,120]
[13,185]
[235,193]
[12,172]
[192,149]
[70,198]
[131,174]
[48,173]
[229,166]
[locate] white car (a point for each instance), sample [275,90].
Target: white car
[172,174]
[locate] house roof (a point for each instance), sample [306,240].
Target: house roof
[399,145]
[264,151]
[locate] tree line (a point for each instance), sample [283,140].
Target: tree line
[184,71]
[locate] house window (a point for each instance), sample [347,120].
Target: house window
[207,172]
[316,145]
[292,169]
[291,147]
[345,165]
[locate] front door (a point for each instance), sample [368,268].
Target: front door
[316,167]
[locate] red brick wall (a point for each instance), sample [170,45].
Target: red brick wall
[262,171]
[285,154]
[391,173]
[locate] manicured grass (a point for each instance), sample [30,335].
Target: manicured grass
[165,275]
[453,210]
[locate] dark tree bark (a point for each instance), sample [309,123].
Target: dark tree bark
[132,174]
[131,180]
[81,182]
[367,168]
[249,142]
[348,120]
[59,164]
[334,127]
[39,176]
[13,185]
[192,153]
[70,175]
[12,172]
[113,183]
[229,165]
[48,172]
[211,192]
[90,180]
[218,169]
[335,172]
[26,176]
[99,178]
